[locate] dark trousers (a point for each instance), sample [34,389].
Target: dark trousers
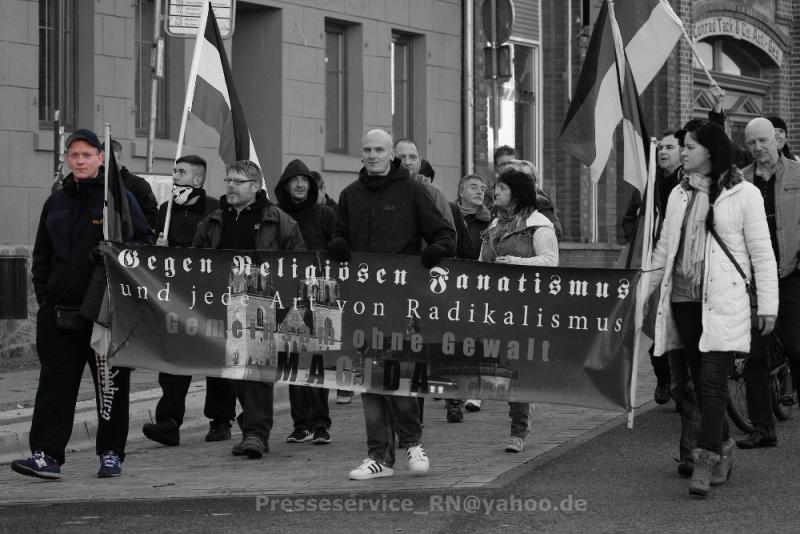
[756,370]
[386,415]
[709,371]
[256,400]
[789,323]
[660,369]
[756,379]
[220,399]
[63,355]
[309,408]
[682,391]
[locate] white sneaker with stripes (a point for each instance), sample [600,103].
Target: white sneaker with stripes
[370,468]
[417,459]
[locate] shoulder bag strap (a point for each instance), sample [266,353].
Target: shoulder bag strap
[730,257]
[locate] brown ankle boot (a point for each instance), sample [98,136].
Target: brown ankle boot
[705,462]
[722,472]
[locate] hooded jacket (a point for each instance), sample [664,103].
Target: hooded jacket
[391,214]
[144,196]
[317,221]
[741,223]
[70,228]
[277,231]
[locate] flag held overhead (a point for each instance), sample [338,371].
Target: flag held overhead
[607,91]
[211,95]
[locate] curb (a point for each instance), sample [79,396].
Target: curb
[14,434]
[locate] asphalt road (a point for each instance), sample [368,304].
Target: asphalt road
[620,481]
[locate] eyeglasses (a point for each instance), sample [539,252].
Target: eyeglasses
[235,181]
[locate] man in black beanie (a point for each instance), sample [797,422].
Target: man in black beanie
[781,132]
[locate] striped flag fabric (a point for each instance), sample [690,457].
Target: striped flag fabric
[634,132]
[215,101]
[608,89]
[118,210]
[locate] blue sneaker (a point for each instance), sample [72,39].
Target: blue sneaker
[39,465]
[110,465]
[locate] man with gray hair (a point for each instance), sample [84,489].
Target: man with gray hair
[247,220]
[778,179]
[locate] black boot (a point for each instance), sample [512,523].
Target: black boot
[164,432]
[219,430]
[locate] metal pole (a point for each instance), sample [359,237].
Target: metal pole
[495,88]
[569,49]
[469,87]
[55,89]
[107,144]
[157,71]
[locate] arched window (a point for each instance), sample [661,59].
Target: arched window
[260,317]
[742,70]
[731,56]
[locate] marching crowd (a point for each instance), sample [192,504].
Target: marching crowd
[727,231]
[391,207]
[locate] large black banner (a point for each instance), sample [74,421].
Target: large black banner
[378,323]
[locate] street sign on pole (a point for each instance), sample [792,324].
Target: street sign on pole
[498,23]
[504,20]
[182,17]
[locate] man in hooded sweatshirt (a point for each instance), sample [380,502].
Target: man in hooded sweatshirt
[297,194]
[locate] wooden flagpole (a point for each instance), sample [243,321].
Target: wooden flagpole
[644,280]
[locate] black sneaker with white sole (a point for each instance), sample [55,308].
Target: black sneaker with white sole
[321,436]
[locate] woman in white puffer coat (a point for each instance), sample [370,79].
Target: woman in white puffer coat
[704,306]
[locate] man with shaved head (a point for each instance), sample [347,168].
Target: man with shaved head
[386,211]
[778,179]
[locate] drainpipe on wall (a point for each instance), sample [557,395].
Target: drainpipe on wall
[468,96]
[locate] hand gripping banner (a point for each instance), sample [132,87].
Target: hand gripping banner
[379,323]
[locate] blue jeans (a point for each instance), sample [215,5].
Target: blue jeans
[709,371]
[386,415]
[521,414]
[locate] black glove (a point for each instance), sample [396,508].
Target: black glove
[96,256]
[339,249]
[432,255]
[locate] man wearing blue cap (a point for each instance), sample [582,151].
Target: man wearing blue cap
[64,259]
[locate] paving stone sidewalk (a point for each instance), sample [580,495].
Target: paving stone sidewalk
[463,455]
